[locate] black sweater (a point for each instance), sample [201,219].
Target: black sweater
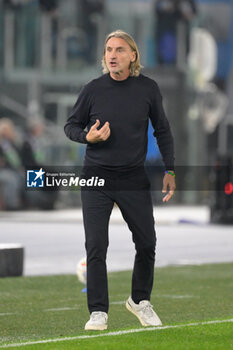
[126,105]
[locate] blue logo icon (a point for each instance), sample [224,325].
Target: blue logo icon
[35,178]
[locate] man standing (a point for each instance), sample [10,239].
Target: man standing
[115,109]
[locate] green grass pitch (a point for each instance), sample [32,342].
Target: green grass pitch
[33,309]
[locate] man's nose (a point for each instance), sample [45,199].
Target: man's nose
[113,54]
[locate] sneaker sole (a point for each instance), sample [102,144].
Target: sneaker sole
[96,328]
[128,307]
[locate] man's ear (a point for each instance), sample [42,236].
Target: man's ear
[133,56]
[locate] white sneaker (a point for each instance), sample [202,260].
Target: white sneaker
[97,322]
[144,312]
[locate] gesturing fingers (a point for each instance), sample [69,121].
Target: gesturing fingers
[95,126]
[168,196]
[104,128]
[104,132]
[168,183]
[96,135]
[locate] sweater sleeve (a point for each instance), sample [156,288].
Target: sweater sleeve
[162,130]
[79,118]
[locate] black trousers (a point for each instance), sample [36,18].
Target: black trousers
[136,207]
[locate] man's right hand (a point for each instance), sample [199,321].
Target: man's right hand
[94,135]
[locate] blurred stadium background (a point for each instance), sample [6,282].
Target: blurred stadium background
[50,48]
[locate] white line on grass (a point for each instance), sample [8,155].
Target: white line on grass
[57,309]
[175,296]
[129,331]
[8,313]
[118,302]
[122,302]
[61,309]
[76,307]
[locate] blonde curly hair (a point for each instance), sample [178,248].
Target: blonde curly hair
[135,66]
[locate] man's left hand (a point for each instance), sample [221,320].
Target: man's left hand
[168,183]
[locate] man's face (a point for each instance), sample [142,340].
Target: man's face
[118,56]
